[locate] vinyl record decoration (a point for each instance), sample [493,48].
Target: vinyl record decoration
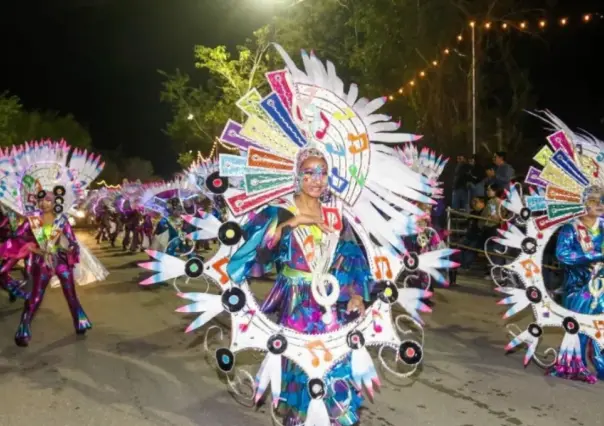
[310,108]
[570,164]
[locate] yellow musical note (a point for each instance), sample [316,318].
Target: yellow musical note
[346,115]
[599,325]
[318,345]
[386,271]
[353,148]
[530,268]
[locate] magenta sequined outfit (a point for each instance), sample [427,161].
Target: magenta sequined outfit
[61,263]
[8,225]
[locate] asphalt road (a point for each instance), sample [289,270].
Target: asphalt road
[136,367]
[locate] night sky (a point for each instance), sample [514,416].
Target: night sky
[98,59]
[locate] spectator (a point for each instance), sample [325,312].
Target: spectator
[480,230]
[504,173]
[460,184]
[477,170]
[489,179]
[493,213]
[473,236]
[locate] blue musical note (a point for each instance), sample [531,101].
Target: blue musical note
[333,181]
[338,150]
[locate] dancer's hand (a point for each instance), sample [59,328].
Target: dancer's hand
[355,304]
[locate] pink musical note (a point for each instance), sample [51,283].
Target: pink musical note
[374,315]
[250,314]
[320,134]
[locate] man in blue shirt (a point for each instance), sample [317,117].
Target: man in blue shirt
[504,172]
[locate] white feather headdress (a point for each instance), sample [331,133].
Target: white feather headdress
[310,109]
[37,168]
[158,196]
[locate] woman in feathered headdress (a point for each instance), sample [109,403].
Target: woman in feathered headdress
[45,181]
[329,209]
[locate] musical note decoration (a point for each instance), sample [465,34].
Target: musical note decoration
[310,109]
[569,166]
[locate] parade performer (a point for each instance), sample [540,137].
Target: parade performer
[9,223]
[211,203]
[568,201]
[45,181]
[99,204]
[167,200]
[428,238]
[329,210]
[130,198]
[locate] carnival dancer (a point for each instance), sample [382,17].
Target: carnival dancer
[329,210]
[579,251]
[99,204]
[147,230]
[167,199]
[49,181]
[567,199]
[9,223]
[271,240]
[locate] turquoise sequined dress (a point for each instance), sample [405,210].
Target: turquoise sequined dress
[292,302]
[579,266]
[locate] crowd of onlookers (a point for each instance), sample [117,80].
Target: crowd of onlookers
[479,190]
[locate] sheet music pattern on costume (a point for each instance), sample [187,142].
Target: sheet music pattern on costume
[343,138]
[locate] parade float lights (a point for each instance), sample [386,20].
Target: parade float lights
[522,26]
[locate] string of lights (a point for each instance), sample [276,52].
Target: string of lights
[521,26]
[105,185]
[217,143]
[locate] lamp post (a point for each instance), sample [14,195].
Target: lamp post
[473,26]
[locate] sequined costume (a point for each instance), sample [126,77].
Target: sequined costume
[9,222]
[291,300]
[64,251]
[170,230]
[316,363]
[49,172]
[579,251]
[565,198]
[168,199]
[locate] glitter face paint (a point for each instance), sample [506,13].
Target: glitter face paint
[319,172]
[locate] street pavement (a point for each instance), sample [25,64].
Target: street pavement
[137,367]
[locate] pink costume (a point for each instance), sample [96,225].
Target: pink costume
[46,176]
[60,241]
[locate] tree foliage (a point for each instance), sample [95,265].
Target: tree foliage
[18,125]
[200,112]
[185,159]
[382,44]
[136,168]
[10,108]
[29,126]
